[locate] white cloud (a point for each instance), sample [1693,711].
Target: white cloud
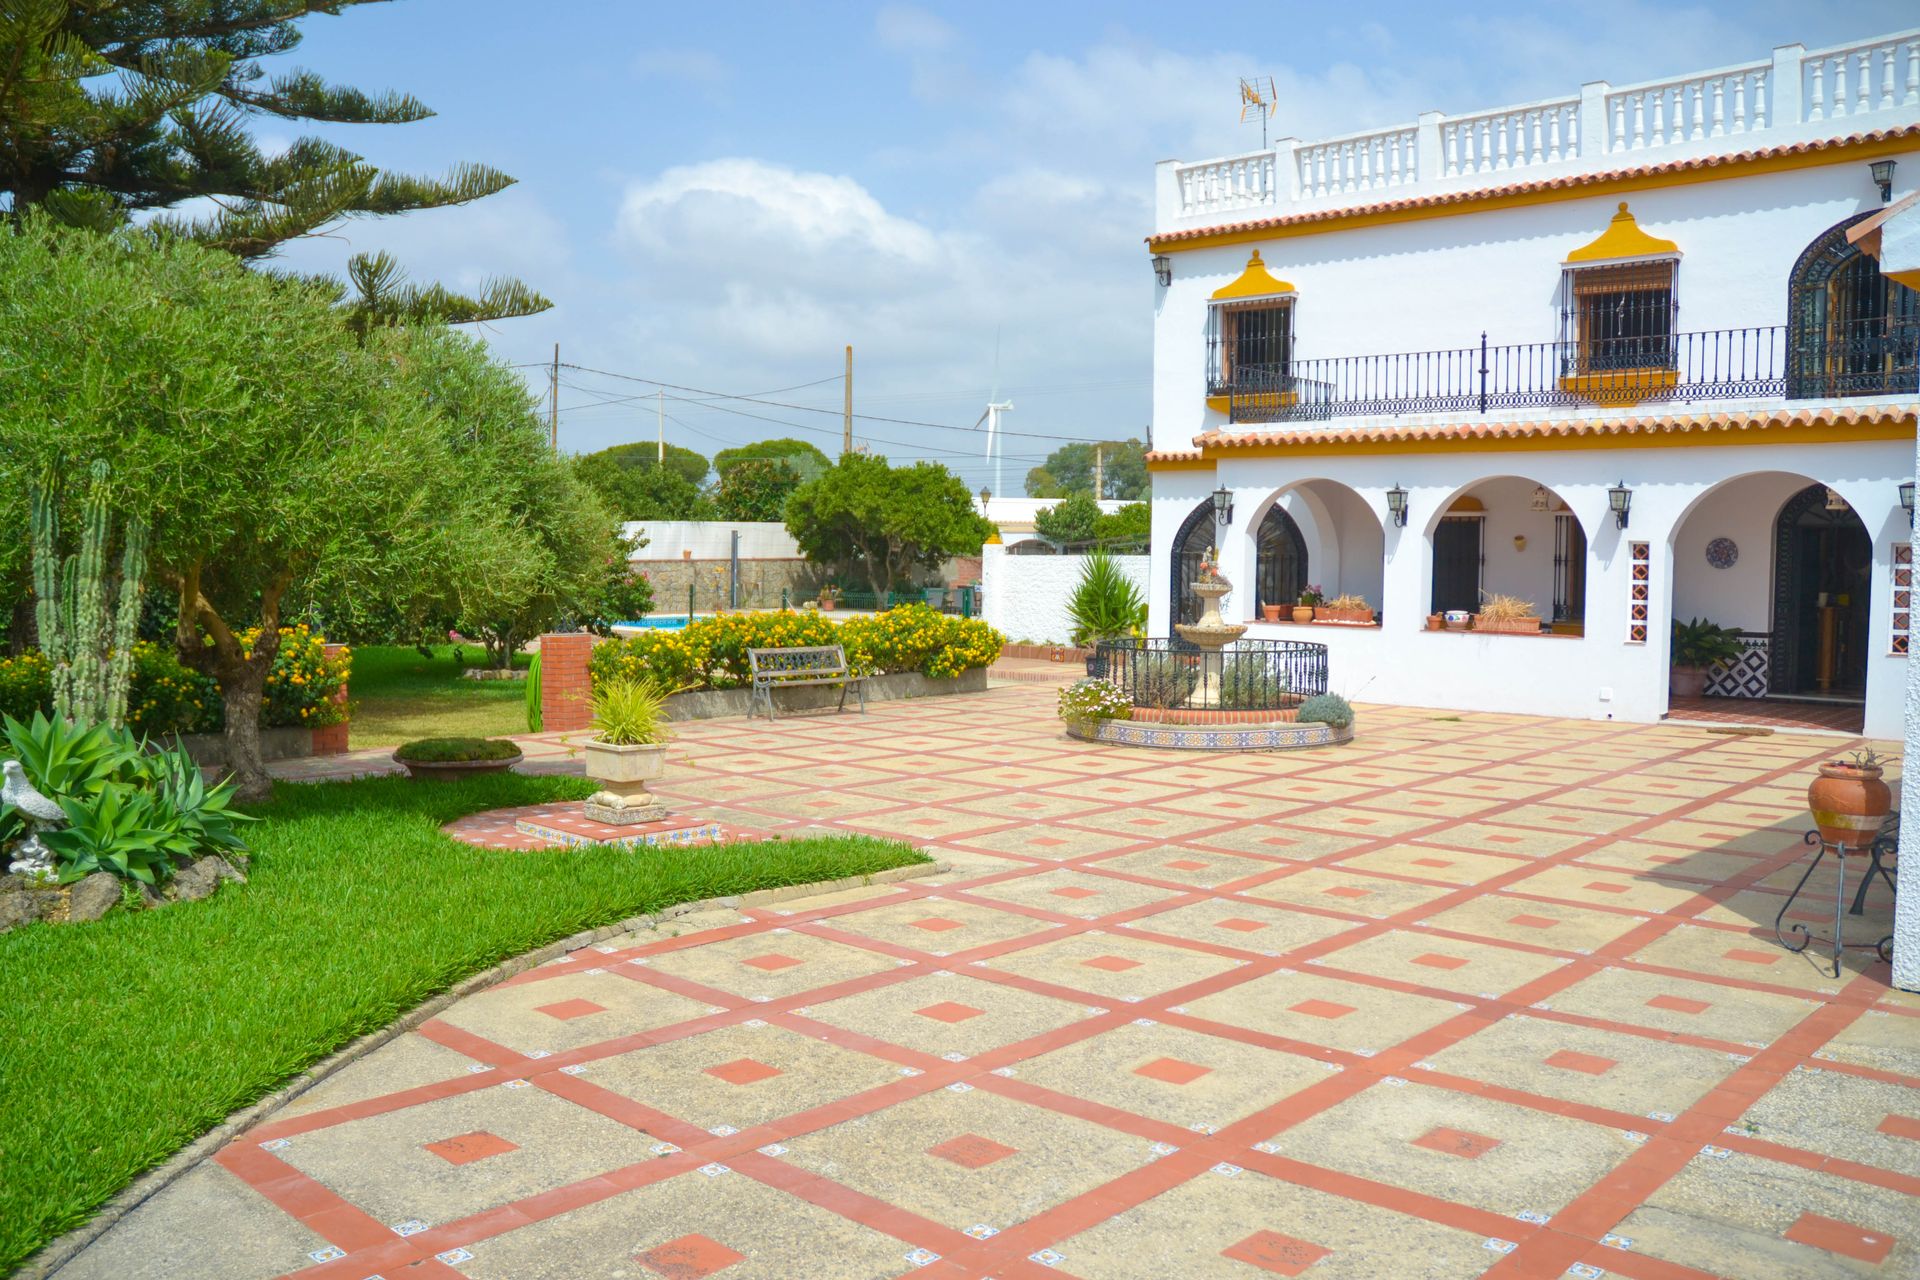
[906,29]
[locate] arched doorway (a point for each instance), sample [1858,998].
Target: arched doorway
[1850,330]
[1511,536]
[1280,560]
[1190,547]
[1822,595]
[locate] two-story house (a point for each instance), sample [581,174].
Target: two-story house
[1628,355]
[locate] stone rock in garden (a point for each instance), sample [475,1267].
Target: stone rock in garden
[149,896]
[93,897]
[195,882]
[23,906]
[225,870]
[11,881]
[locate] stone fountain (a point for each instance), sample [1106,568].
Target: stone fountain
[1211,634]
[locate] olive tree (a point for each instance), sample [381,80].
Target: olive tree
[273,452]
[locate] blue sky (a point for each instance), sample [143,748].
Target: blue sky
[722,196]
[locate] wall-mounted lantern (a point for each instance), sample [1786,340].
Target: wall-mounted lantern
[1620,502]
[1163,269]
[1882,171]
[1397,506]
[1906,499]
[1223,506]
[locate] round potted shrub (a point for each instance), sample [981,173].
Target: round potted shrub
[1329,709]
[628,749]
[1850,800]
[1698,645]
[456,757]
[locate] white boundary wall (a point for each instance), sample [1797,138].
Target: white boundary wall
[1026,596]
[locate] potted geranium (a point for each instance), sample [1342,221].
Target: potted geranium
[628,749]
[1698,645]
[456,757]
[1310,598]
[1850,800]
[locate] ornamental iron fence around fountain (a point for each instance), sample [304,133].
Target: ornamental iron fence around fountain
[1245,675]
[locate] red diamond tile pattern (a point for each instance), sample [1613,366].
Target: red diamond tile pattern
[1255,978]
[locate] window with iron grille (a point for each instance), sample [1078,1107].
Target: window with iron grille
[1457,561]
[1249,345]
[1618,317]
[1569,569]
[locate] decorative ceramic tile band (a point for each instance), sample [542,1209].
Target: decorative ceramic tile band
[1902,597]
[700,833]
[1271,737]
[1639,595]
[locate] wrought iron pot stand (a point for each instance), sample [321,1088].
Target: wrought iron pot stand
[1885,843]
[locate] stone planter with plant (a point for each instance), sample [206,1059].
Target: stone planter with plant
[1345,608]
[1507,614]
[1698,646]
[444,758]
[1084,704]
[628,749]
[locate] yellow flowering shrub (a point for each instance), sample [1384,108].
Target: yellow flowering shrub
[712,652]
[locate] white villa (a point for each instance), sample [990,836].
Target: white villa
[1636,354]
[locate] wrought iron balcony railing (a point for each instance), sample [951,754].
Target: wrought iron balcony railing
[1872,357]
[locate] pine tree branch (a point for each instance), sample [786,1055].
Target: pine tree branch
[305,96]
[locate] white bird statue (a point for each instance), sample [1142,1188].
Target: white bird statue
[31,858]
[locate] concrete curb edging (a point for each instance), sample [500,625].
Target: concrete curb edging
[63,1249]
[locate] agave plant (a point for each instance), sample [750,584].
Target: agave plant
[1106,604]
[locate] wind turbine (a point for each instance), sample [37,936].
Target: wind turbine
[991,416]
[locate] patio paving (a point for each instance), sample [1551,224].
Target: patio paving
[1475,995]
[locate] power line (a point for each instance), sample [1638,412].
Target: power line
[805,408]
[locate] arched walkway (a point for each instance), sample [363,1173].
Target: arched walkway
[1317,533]
[1511,536]
[1781,558]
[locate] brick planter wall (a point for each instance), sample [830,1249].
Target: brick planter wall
[566,704]
[331,739]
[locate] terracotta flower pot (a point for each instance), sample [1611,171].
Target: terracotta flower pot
[1848,803]
[1435,622]
[1303,613]
[1687,682]
[1270,612]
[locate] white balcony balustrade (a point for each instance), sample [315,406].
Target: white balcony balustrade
[1795,95]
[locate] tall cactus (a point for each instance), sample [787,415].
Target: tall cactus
[88,644]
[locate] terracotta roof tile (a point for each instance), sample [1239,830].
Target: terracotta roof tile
[1564,182]
[1739,420]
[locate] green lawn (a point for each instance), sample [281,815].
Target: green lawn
[127,1038]
[399,696]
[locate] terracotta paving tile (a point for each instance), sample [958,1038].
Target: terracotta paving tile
[937,924]
[971,1151]
[1271,1251]
[1901,1127]
[773,963]
[1172,1070]
[1456,1142]
[1847,1239]
[1322,1008]
[1240,924]
[1112,964]
[691,1257]
[1588,1063]
[743,1071]
[949,1011]
[1679,1004]
[469,1147]
[568,1009]
[1432,961]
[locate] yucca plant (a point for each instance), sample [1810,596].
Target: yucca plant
[630,713]
[1106,604]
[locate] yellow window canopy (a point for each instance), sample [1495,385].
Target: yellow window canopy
[1255,282]
[1623,240]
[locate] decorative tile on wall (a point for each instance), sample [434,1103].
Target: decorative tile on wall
[1902,596]
[1640,600]
[1746,675]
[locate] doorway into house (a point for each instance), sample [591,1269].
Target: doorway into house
[1457,559]
[1823,575]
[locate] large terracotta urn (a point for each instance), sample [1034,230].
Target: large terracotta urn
[1849,802]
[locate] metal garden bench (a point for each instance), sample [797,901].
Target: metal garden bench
[786,668]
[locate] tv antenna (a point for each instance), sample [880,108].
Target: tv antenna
[1257,97]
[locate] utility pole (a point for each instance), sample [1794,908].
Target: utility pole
[1099,486]
[553,402]
[660,425]
[846,445]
